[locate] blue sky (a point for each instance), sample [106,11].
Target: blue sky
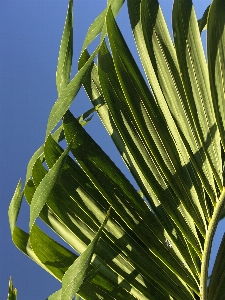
[30,35]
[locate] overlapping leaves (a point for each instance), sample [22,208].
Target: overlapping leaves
[169,129]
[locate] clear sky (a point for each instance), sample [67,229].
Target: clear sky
[30,34]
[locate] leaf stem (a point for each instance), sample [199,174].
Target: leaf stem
[208,243]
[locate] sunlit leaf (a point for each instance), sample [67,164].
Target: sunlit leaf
[56,258]
[46,185]
[76,273]
[99,25]
[193,66]
[168,126]
[65,52]
[202,23]
[216,289]
[216,58]
[67,96]
[14,207]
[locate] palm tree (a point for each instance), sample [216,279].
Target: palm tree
[152,243]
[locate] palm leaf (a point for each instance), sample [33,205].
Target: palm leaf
[12,293]
[169,129]
[217,279]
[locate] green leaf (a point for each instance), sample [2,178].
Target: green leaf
[222,214]
[159,60]
[202,23]
[170,134]
[21,240]
[195,78]
[119,193]
[208,244]
[56,258]
[63,207]
[216,62]
[99,25]
[87,201]
[46,185]
[88,291]
[76,273]
[86,116]
[67,96]
[55,296]
[12,293]
[145,123]
[65,52]
[93,88]
[15,205]
[216,289]
[58,136]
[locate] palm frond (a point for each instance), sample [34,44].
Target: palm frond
[168,127]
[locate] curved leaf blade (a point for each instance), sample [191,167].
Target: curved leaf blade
[202,23]
[74,195]
[216,62]
[152,129]
[66,52]
[45,187]
[67,96]
[195,78]
[216,289]
[15,205]
[159,60]
[75,275]
[56,258]
[98,26]
[95,93]
[121,198]
[208,244]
